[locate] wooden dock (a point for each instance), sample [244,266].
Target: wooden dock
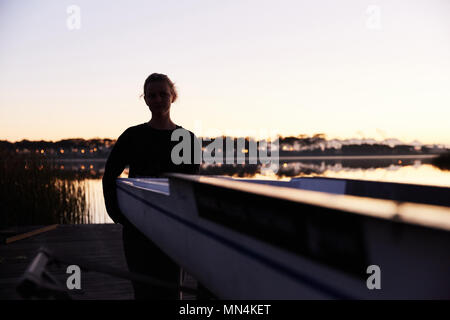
[95,243]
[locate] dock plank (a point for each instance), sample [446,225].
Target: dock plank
[95,243]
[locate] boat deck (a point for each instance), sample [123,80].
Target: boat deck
[98,244]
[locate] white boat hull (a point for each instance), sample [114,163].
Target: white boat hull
[330,262]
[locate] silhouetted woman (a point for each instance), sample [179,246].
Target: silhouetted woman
[146,149]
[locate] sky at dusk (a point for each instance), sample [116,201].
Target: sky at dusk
[365,69]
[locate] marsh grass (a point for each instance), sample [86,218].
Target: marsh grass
[34,192]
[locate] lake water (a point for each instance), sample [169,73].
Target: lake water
[412,171]
[33,192]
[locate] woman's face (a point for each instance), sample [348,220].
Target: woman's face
[158,97]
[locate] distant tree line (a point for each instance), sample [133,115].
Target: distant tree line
[301,145]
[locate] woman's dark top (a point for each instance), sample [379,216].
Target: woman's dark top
[147,152]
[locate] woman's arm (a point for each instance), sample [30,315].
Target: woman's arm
[116,163]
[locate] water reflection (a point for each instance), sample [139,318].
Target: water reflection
[96,205]
[418,174]
[409,170]
[34,191]
[70,191]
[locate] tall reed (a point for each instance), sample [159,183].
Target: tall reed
[33,191]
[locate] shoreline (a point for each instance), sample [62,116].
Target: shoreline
[320,157]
